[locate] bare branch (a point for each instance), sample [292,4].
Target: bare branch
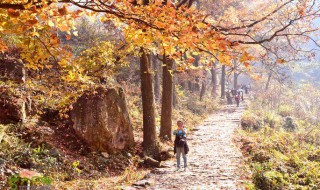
[219,28]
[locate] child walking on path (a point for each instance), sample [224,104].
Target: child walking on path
[180,145]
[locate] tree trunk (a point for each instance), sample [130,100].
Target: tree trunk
[235,75]
[150,144]
[167,98]
[223,82]
[235,80]
[25,107]
[190,86]
[203,90]
[184,85]
[156,70]
[197,81]
[214,81]
[174,89]
[269,79]
[175,98]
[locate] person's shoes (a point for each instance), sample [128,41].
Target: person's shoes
[177,169]
[185,169]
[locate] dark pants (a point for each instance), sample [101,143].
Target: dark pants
[238,102]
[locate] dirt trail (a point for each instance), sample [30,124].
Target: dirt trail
[214,161]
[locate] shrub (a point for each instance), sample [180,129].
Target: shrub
[29,179]
[272,119]
[250,121]
[315,156]
[269,180]
[261,156]
[287,154]
[285,110]
[289,125]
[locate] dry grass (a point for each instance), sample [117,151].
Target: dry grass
[130,175]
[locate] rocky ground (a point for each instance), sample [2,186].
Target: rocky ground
[214,160]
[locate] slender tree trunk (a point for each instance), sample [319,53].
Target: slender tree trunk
[214,81]
[175,82]
[223,82]
[167,98]
[149,144]
[203,90]
[235,75]
[24,96]
[184,85]
[175,98]
[156,70]
[190,86]
[269,79]
[197,81]
[235,80]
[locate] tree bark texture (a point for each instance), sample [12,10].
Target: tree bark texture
[150,144]
[269,80]
[203,90]
[167,100]
[223,82]
[235,80]
[157,73]
[175,98]
[214,81]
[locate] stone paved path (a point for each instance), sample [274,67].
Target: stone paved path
[214,161]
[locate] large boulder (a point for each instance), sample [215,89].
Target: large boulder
[12,105]
[12,109]
[12,69]
[102,120]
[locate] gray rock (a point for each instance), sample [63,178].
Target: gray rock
[54,153]
[142,183]
[12,108]
[105,154]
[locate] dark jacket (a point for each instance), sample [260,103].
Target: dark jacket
[185,146]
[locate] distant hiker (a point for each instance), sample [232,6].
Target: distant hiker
[180,145]
[240,92]
[237,99]
[229,97]
[246,89]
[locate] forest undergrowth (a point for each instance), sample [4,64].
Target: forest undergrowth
[280,137]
